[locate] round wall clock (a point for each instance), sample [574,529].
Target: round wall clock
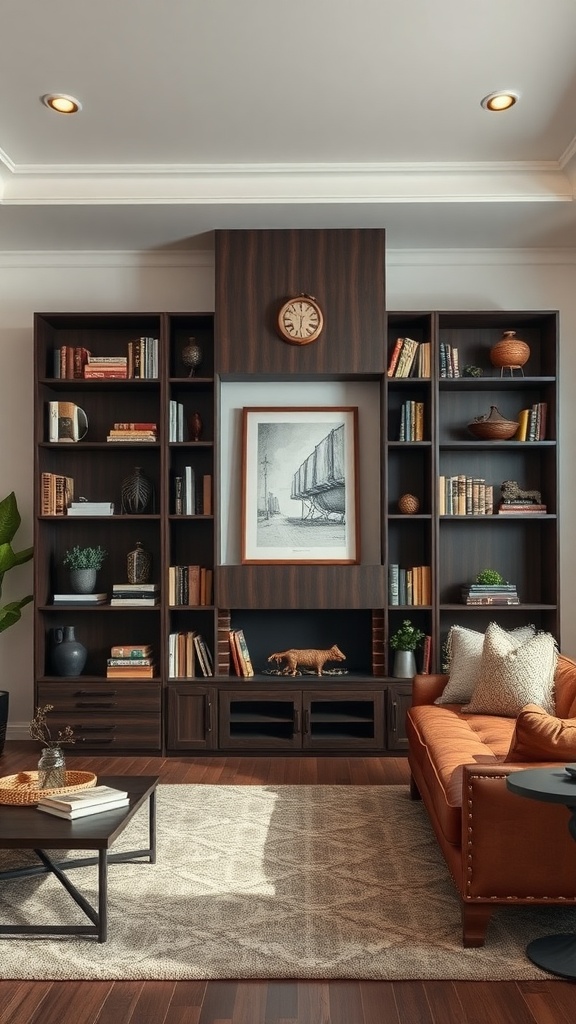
[300,320]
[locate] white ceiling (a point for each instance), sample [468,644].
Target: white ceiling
[203,114]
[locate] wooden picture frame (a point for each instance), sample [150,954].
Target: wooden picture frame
[300,500]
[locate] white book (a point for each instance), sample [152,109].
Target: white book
[80,598]
[84,797]
[134,602]
[83,812]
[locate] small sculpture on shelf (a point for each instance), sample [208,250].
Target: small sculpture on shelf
[137,493]
[309,658]
[511,492]
[195,426]
[473,371]
[192,356]
[408,504]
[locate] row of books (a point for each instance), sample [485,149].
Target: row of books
[484,594]
[188,652]
[532,423]
[411,586]
[139,361]
[56,494]
[96,800]
[135,431]
[449,360]
[411,421]
[465,496]
[241,659]
[190,585]
[192,496]
[129,666]
[409,358]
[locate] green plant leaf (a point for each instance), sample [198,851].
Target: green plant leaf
[10,613]
[9,518]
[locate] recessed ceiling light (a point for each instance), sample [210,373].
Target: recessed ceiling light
[501,100]
[61,103]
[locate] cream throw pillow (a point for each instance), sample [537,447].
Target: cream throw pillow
[512,676]
[465,655]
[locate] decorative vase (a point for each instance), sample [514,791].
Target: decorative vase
[137,493]
[4,703]
[510,351]
[52,768]
[404,665]
[83,581]
[139,564]
[195,426]
[192,356]
[408,504]
[68,654]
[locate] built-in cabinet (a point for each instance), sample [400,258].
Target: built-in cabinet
[284,605]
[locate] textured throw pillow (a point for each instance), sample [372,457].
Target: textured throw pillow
[511,676]
[539,736]
[465,654]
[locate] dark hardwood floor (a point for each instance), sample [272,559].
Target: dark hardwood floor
[272,1002]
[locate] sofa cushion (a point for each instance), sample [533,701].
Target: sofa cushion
[512,675]
[539,736]
[565,687]
[443,739]
[465,656]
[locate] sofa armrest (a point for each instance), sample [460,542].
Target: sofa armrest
[507,839]
[426,688]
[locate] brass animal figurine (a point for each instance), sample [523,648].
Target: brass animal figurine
[512,492]
[308,658]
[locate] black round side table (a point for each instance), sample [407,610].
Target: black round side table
[554,953]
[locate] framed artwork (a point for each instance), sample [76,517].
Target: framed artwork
[300,486]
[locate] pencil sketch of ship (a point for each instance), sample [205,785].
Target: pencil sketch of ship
[320,480]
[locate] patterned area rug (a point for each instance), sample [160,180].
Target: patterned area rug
[274,882]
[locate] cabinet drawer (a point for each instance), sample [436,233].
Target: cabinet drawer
[105,732]
[97,698]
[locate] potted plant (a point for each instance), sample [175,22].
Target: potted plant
[9,613]
[84,564]
[404,642]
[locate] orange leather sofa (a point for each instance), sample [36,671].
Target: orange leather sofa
[499,847]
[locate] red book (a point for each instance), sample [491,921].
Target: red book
[395,356]
[119,373]
[135,426]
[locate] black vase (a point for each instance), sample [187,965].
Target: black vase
[137,493]
[68,655]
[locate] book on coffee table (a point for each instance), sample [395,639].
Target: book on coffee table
[86,801]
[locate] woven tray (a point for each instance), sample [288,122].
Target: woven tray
[22,789]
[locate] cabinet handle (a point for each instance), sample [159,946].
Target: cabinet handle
[209,716]
[394,716]
[296,720]
[96,693]
[96,703]
[97,739]
[97,728]
[306,722]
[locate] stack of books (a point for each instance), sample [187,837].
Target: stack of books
[106,368]
[482,593]
[135,595]
[90,508]
[131,661]
[521,508]
[84,802]
[135,431]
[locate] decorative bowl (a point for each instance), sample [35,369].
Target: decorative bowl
[493,426]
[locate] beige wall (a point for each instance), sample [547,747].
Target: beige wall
[108,282]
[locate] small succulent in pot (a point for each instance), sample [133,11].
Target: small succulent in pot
[84,558]
[490,578]
[407,638]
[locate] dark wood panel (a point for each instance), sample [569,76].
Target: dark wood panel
[301,586]
[256,271]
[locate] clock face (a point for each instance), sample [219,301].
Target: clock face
[300,320]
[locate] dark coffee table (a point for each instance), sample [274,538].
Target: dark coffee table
[27,828]
[554,953]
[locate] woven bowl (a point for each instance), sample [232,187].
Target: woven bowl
[493,427]
[22,789]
